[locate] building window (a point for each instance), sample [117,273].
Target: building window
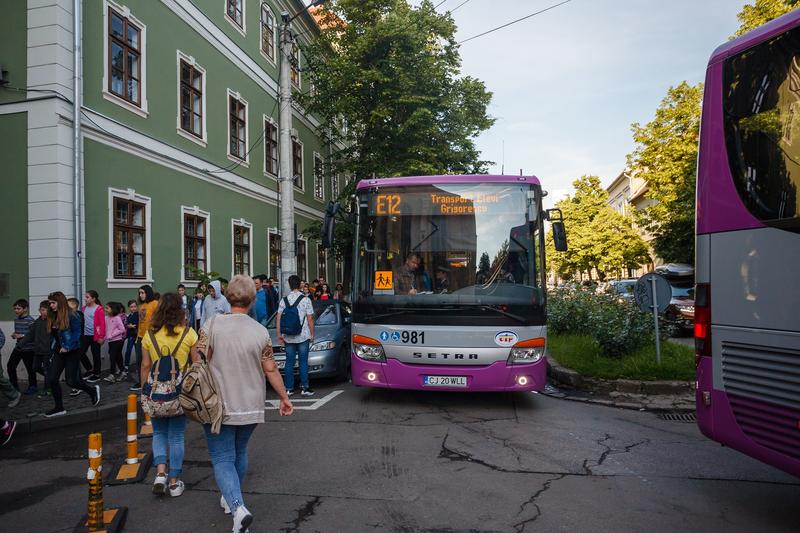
[274,253]
[319,176]
[302,266]
[237,127]
[235,11]
[195,244]
[267,32]
[295,71]
[270,147]
[191,99]
[335,186]
[322,262]
[297,163]
[124,58]
[340,272]
[241,248]
[130,257]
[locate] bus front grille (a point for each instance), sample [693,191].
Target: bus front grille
[763,385]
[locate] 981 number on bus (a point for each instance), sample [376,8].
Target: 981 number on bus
[412,337]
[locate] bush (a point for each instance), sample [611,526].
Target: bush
[619,328]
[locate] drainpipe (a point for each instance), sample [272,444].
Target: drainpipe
[77,102]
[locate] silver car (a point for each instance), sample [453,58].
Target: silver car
[329,354]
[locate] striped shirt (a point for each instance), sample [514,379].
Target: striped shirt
[22,324]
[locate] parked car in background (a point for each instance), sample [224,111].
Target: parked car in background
[622,289]
[329,354]
[679,316]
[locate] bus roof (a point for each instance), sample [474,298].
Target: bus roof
[758,35]
[433,180]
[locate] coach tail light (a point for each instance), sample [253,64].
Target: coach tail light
[529,351]
[368,348]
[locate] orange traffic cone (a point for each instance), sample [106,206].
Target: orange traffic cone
[134,467]
[98,518]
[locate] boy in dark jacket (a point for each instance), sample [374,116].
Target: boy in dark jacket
[39,339]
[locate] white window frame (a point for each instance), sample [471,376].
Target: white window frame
[305,263]
[183,133]
[302,187]
[318,156]
[141,109]
[241,29]
[267,118]
[245,224]
[129,283]
[299,84]
[270,232]
[194,210]
[272,60]
[246,161]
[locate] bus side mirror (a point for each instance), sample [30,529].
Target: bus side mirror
[329,224]
[559,236]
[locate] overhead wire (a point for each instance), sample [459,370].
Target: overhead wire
[506,25]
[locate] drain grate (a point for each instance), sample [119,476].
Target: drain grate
[678,417]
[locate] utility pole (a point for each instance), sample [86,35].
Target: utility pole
[286,178]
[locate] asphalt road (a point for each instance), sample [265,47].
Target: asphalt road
[371,460]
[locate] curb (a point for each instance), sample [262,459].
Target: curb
[33,424]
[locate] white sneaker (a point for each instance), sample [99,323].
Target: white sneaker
[241,519]
[224,505]
[160,484]
[177,489]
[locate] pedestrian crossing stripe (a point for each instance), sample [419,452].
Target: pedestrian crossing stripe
[383,279]
[311,404]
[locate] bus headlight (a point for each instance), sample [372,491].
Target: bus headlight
[368,349]
[527,351]
[324,345]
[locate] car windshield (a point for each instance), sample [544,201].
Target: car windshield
[324,314]
[682,290]
[625,287]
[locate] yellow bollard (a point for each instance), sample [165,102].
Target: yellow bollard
[95,475]
[98,518]
[134,467]
[133,444]
[147,427]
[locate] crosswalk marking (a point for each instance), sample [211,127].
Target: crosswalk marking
[311,404]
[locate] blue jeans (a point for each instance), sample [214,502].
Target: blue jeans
[294,350]
[228,452]
[168,433]
[130,341]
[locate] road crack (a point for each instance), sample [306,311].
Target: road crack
[608,451]
[519,527]
[303,514]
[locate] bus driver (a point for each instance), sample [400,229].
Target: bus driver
[407,279]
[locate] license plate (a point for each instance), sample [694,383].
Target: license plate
[444,381]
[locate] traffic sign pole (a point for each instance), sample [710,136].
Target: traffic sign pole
[655,319]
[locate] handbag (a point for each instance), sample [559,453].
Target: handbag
[199,397]
[160,393]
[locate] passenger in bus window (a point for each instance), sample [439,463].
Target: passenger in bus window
[442,279]
[408,277]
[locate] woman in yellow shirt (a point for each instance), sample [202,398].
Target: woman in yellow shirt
[147,309]
[168,325]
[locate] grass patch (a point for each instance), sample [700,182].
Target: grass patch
[582,354]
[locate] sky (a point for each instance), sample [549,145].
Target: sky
[569,83]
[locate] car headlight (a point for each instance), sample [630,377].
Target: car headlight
[369,352]
[324,345]
[687,308]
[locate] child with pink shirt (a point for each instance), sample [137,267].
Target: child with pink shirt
[115,335]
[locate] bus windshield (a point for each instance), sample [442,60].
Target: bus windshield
[468,253]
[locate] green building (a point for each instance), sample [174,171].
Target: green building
[180,146]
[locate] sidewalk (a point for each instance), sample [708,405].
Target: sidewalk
[28,413]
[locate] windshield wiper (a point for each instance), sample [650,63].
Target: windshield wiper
[485,307]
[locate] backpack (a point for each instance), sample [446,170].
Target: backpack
[160,393]
[290,319]
[199,397]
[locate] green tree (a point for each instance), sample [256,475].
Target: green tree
[390,72]
[665,156]
[600,239]
[762,11]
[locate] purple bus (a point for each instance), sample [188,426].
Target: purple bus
[449,283]
[747,298]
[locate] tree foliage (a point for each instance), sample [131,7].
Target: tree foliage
[600,239]
[762,11]
[390,72]
[665,156]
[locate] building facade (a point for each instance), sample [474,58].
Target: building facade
[179,146]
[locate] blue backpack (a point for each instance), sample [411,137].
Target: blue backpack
[290,318]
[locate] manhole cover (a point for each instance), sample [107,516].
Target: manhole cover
[678,417]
